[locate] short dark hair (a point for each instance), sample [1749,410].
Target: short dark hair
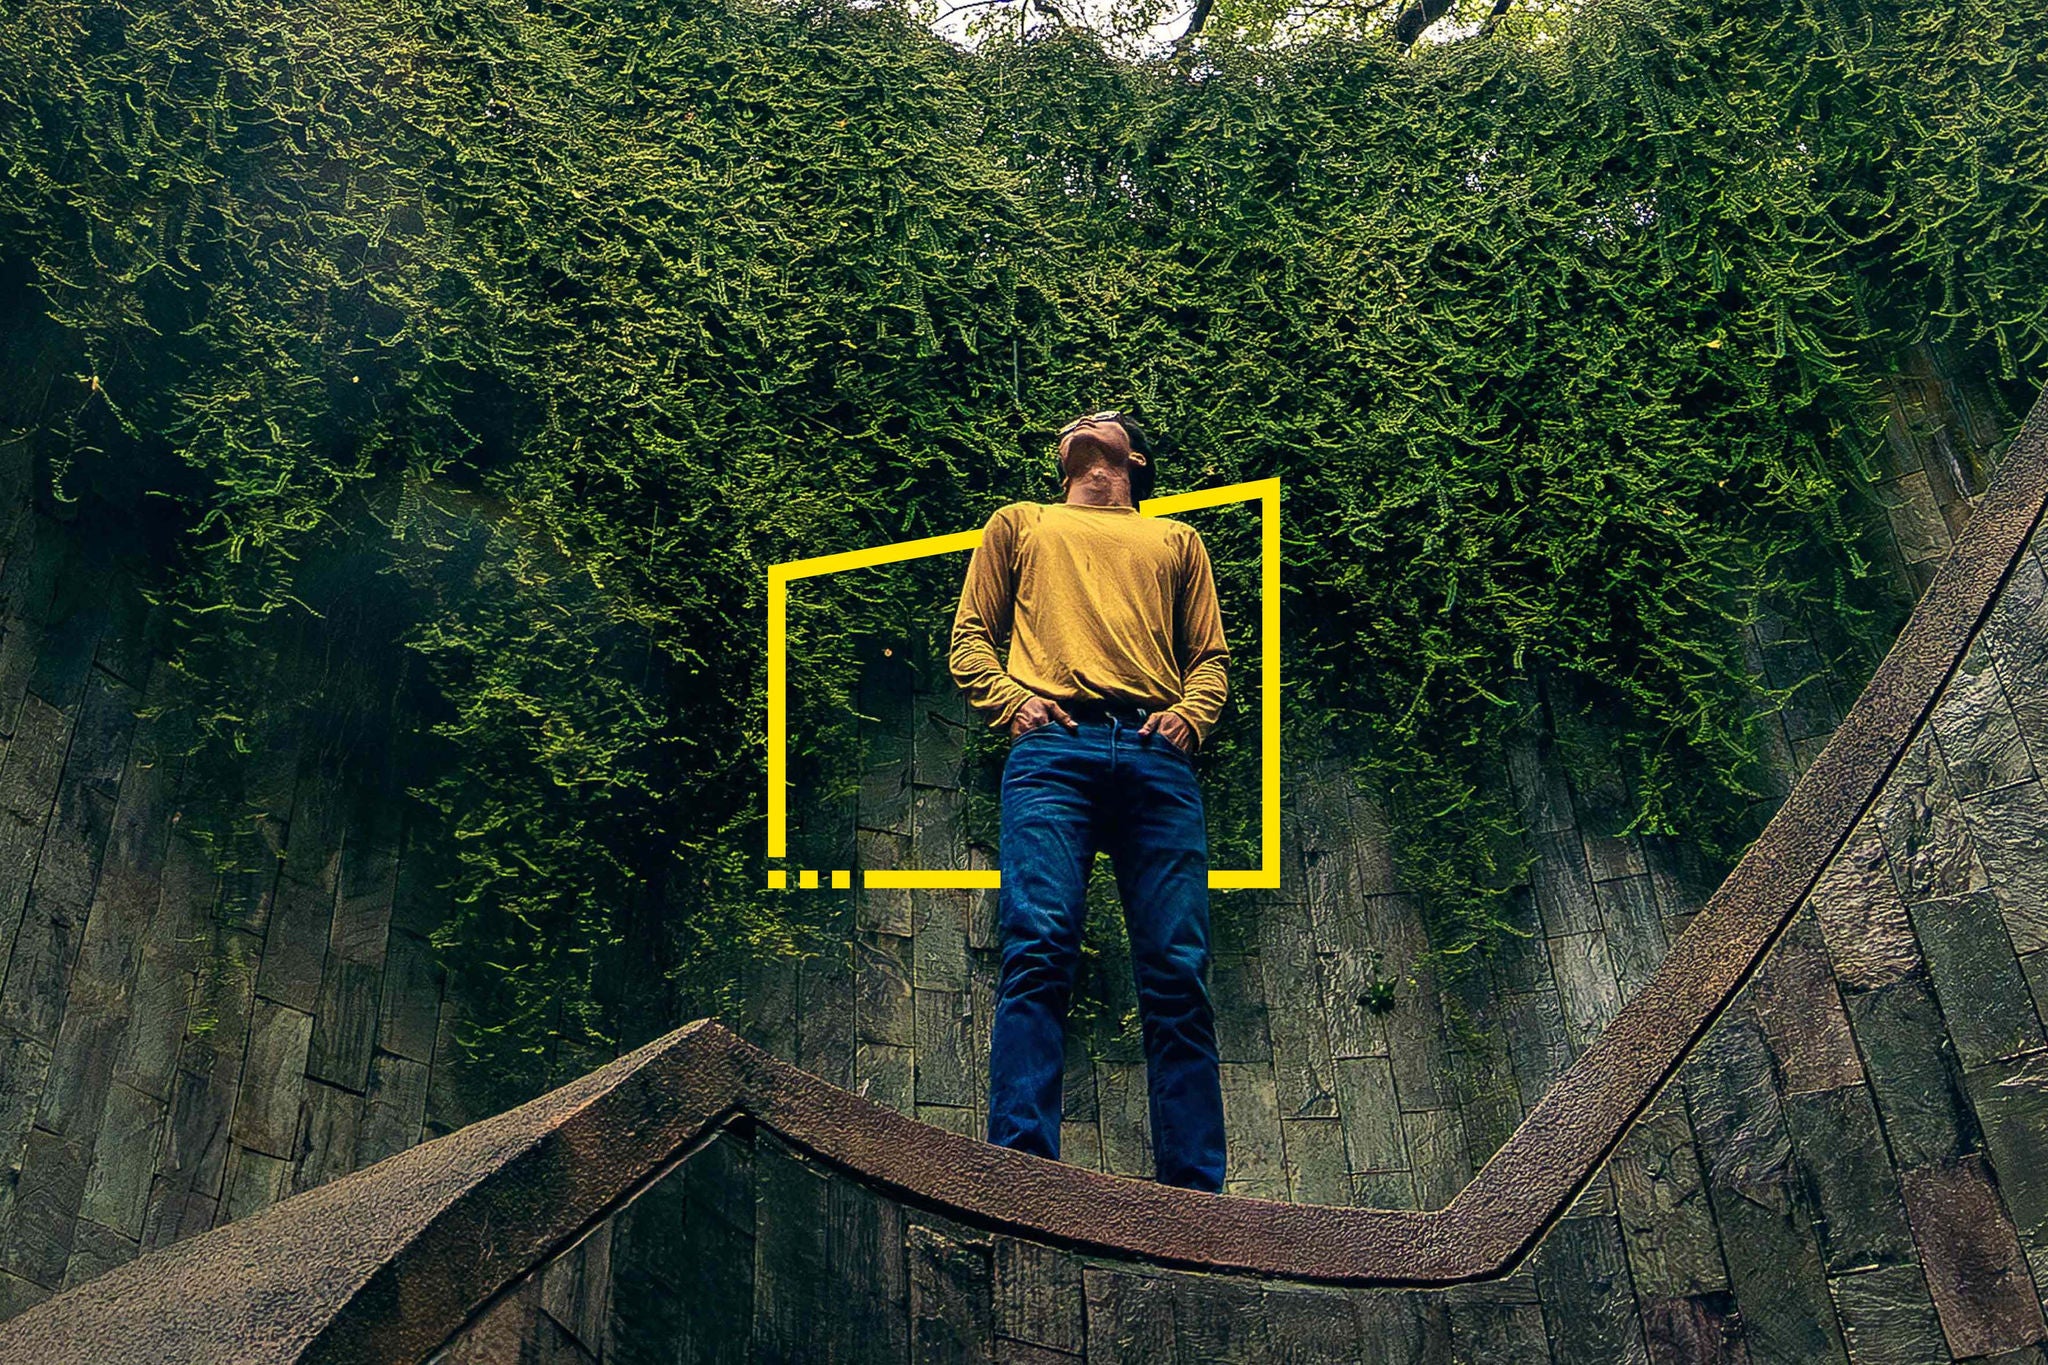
[1146,475]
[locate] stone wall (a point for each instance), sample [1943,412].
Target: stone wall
[1852,1166]
[178,1046]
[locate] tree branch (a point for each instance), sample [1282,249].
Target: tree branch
[1412,20]
[1195,22]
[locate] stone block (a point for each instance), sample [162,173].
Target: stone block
[1254,1161]
[1916,518]
[1538,1044]
[1383,1190]
[944,1068]
[2010,827]
[1237,990]
[1660,1194]
[1436,1155]
[255,1181]
[1520,961]
[1130,1316]
[1316,1166]
[1080,1144]
[1304,1071]
[718,1274]
[1370,1110]
[573,1289]
[1979,736]
[273,1080]
[1588,1299]
[1927,844]
[1564,886]
[1634,928]
[1913,1073]
[1975,1269]
[1977,979]
[793,1298]
[1586,986]
[295,945]
[1797,1003]
[870,1275]
[2011,1102]
[1498,1334]
[47,1194]
[882,1002]
[1836,1137]
[882,1073]
[941,939]
[1861,915]
[1344,979]
[882,910]
[1698,1329]
[1124,1106]
[409,1000]
[124,1160]
[952,1313]
[394,1109]
[825,1014]
[1415,1028]
[1038,1295]
[96,1249]
[1887,1317]
[1759,1197]
[345,1022]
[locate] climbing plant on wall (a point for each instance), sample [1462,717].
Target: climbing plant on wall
[1568,348]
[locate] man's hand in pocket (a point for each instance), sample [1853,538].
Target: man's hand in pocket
[1171,724]
[1036,712]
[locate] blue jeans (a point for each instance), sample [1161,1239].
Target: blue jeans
[1067,794]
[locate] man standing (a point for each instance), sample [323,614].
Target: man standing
[1115,678]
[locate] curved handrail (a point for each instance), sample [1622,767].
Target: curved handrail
[387,1263]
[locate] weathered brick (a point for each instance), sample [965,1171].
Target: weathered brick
[1666,1224]
[273,1080]
[2011,1102]
[1316,1169]
[1979,737]
[1038,1295]
[1977,980]
[1927,844]
[1913,1073]
[1797,1003]
[882,1002]
[1588,1299]
[1862,916]
[1252,1131]
[1839,1144]
[2010,828]
[1975,1269]
[1371,1114]
[1887,1317]
[952,1314]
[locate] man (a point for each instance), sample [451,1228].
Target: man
[1115,678]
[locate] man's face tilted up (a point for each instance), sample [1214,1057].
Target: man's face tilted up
[1096,461]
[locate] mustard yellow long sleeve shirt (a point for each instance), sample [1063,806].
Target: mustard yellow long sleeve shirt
[1099,603]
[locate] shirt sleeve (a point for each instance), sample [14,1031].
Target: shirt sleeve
[987,600]
[1203,654]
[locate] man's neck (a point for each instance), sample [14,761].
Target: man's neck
[1100,488]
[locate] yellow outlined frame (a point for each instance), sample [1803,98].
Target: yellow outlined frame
[1267,875]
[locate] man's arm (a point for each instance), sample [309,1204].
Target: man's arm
[1204,657]
[986,601]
